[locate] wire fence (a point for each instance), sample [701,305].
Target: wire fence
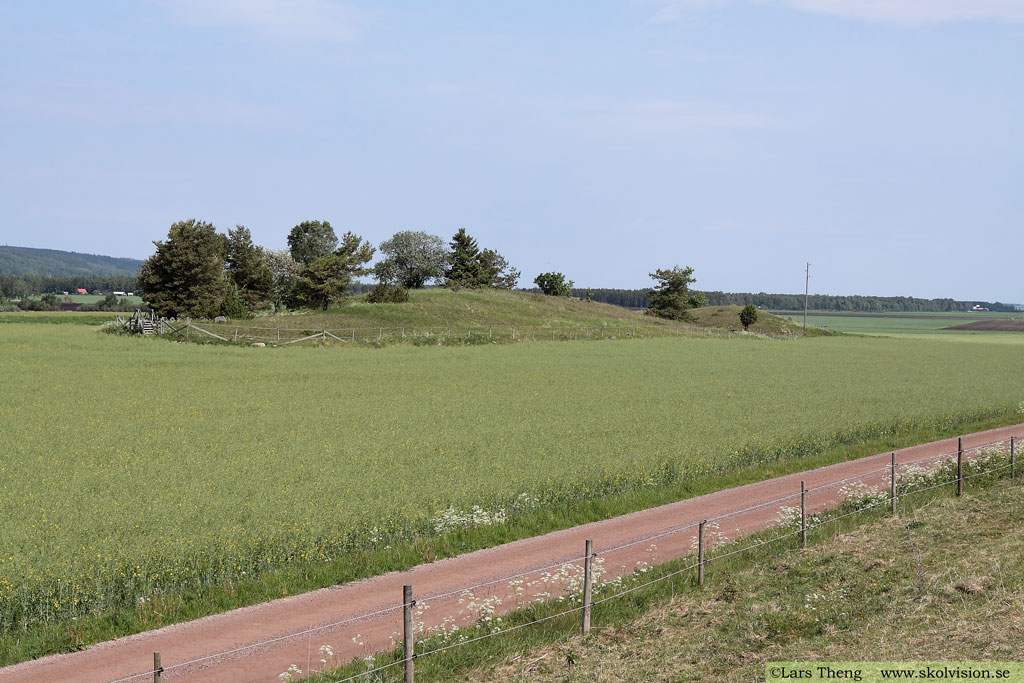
[959,457]
[448,334]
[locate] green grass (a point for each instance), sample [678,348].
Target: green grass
[92,298]
[930,323]
[475,317]
[442,307]
[58,317]
[133,466]
[859,592]
[728,317]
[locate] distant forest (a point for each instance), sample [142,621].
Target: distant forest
[637,299]
[26,261]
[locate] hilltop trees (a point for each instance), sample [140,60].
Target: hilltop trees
[310,240]
[671,297]
[326,279]
[500,273]
[464,267]
[284,271]
[553,284]
[248,268]
[185,277]
[412,259]
[469,266]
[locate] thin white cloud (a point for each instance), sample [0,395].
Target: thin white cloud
[880,11]
[293,20]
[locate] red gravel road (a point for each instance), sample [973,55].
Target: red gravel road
[241,630]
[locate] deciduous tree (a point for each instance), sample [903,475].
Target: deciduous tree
[553,284]
[284,271]
[412,259]
[310,240]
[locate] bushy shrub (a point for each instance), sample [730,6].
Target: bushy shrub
[385,293]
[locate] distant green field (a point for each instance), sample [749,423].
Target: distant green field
[92,298]
[132,465]
[898,324]
[92,318]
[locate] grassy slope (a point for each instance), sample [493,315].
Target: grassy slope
[869,604]
[440,307]
[728,317]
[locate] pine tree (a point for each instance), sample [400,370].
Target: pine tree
[672,298]
[247,266]
[185,277]
[464,267]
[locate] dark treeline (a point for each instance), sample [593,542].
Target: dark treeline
[17,286]
[865,304]
[637,299]
[627,298]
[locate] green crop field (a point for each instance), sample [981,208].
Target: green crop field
[133,466]
[900,324]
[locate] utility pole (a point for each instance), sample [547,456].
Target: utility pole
[807,283]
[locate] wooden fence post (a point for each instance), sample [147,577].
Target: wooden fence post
[959,466]
[700,553]
[353,334]
[279,335]
[1013,464]
[157,669]
[236,333]
[380,333]
[407,605]
[513,333]
[803,515]
[587,585]
[892,484]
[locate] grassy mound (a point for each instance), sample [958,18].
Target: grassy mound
[728,317]
[482,308]
[438,307]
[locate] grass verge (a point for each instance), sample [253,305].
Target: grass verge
[941,581]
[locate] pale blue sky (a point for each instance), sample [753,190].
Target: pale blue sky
[879,139]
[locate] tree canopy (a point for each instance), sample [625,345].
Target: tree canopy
[326,280]
[500,273]
[185,277]
[553,284]
[248,268]
[412,259]
[464,267]
[748,316]
[310,240]
[671,297]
